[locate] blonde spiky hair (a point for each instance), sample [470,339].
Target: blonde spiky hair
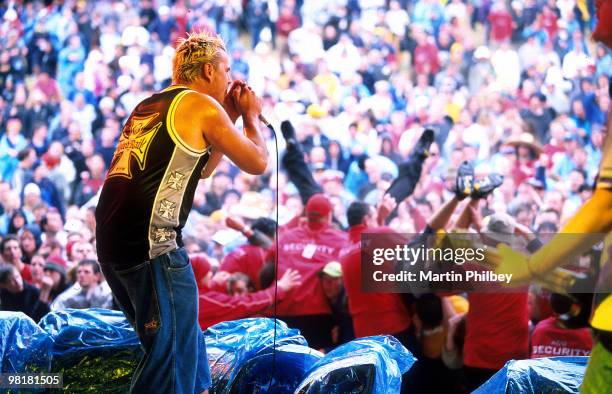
[193,52]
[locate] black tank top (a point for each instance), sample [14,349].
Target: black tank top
[149,188]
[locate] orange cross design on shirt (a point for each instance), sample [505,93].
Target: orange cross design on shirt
[134,142]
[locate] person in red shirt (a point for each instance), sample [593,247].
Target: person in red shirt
[372,313]
[286,23]
[250,257]
[562,334]
[426,59]
[217,306]
[501,23]
[497,324]
[384,313]
[380,313]
[307,249]
[548,19]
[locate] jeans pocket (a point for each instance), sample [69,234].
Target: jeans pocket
[177,261]
[140,284]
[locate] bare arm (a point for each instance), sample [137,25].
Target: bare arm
[465,218]
[211,164]
[595,217]
[588,226]
[441,217]
[247,150]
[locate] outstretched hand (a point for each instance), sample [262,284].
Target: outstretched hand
[289,280]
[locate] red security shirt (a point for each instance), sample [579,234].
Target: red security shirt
[497,329]
[549,340]
[247,259]
[372,313]
[307,251]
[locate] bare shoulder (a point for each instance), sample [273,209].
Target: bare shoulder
[197,104]
[193,119]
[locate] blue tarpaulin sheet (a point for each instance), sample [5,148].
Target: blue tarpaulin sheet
[371,365]
[24,346]
[278,372]
[230,345]
[540,375]
[96,350]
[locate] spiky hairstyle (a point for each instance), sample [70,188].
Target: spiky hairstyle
[193,52]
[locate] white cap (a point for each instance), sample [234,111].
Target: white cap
[31,188]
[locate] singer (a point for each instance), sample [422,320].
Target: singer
[170,141]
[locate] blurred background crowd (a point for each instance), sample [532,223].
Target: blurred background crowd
[513,87]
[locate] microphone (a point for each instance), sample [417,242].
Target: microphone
[264,120]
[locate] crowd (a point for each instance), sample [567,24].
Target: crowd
[515,88]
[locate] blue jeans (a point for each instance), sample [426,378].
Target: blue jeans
[160,300]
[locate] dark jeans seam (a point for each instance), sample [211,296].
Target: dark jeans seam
[143,362]
[166,269]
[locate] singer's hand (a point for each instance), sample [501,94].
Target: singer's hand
[229,104]
[247,103]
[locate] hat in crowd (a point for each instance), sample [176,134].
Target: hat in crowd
[50,266]
[317,209]
[31,188]
[58,260]
[225,236]
[318,206]
[482,52]
[316,111]
[333,269]
[252,205]
[526,139]
[163,10]
[499,227]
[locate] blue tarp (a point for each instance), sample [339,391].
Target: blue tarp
[541,375]
[24,346]
[230,345]
[371,365]
[96,350]
[277,372]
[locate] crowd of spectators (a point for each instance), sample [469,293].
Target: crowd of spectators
[513,87]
